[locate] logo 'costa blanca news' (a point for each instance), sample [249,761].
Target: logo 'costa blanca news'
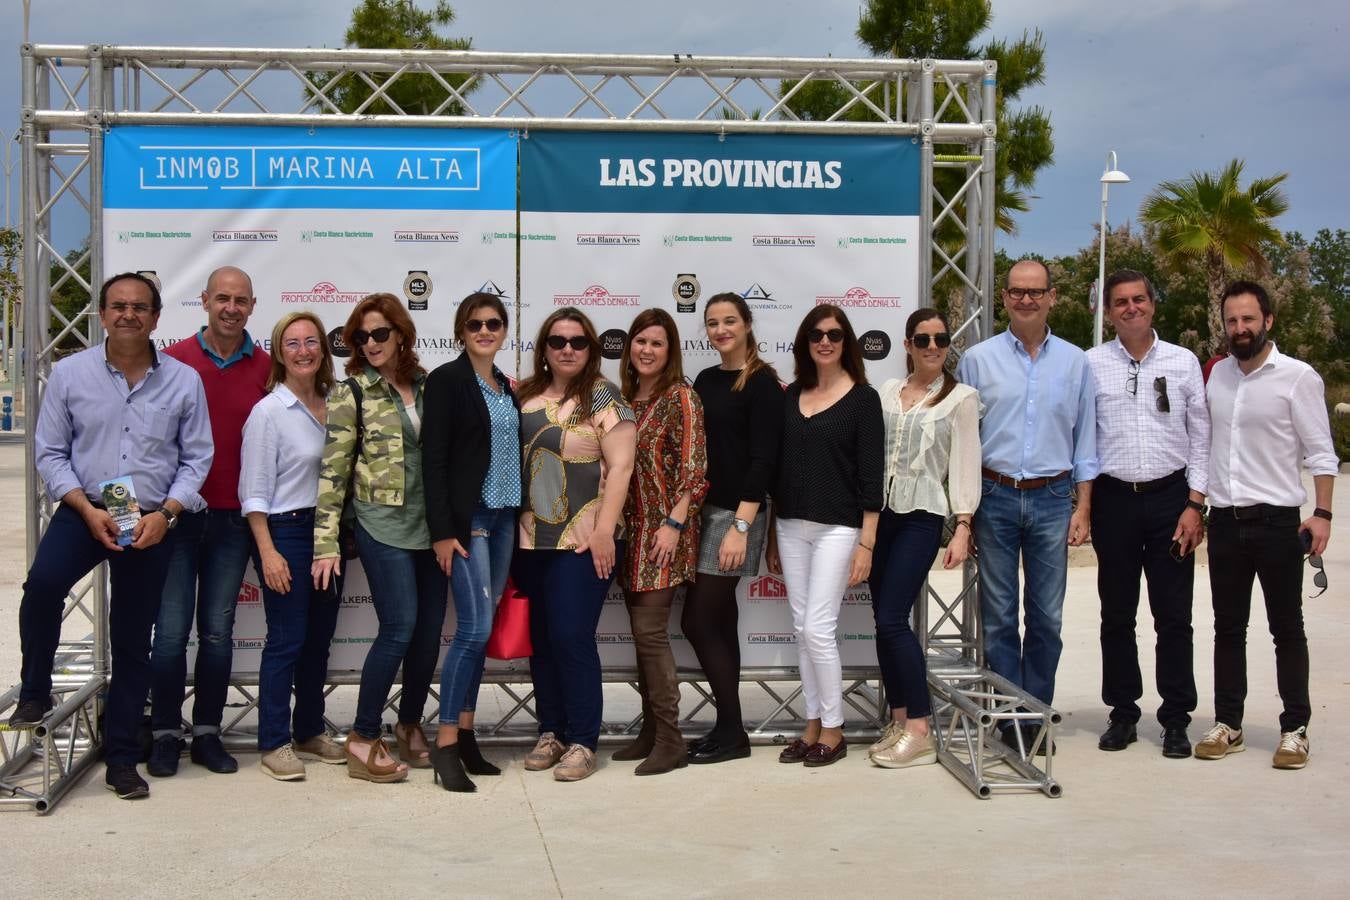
[322,292]
[597,295]
[782,240]
[417,236]
[243,235]
[858,297]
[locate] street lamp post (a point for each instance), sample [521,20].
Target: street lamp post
[1110,175]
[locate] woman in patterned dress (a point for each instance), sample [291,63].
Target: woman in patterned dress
[662,516]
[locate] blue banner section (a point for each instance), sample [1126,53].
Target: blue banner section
[148,167]
[734,173]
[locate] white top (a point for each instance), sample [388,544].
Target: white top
[1135,440]
[929,445]
[283,442]
[1265,425]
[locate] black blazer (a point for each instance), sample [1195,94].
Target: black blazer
[456,445]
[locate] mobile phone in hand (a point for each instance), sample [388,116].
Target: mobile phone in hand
[1305,539]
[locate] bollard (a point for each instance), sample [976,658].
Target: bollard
[7,413]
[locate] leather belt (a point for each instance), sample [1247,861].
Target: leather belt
[1256,511]
[1026,484]
[1144,487]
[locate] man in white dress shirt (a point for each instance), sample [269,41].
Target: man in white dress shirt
[1148,501]
[1269,416]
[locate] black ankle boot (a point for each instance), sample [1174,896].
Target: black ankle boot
[472,757]
[448,771]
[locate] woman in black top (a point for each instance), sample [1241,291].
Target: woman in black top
[826,503]
[743,418]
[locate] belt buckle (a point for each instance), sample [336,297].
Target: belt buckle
[1134,486]
[1016,484]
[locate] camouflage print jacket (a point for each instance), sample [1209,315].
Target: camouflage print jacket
[379,468]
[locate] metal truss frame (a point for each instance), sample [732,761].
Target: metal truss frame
[72,93]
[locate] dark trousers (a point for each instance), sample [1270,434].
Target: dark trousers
[905,547]
[66,554]
[1132,534]
[565,603]
[1239,551]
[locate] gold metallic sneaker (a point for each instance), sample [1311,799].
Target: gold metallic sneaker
[909,750]
[1219,741]
[577,763]
[322,748]
[282,764]
[545,754]
[1293,750]
[888,737]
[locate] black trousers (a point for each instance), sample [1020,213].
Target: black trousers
[1132,535]
[1265,548]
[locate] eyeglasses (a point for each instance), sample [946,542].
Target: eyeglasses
[1160,386]
[578,343]
[815,335]
[1033,293]
[1132,385]
[1319,576]
[293,345]
[473,326]
[378,335]
[136,309]
[942,339]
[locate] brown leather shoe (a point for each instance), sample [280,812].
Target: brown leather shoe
[824,754]
[794,752]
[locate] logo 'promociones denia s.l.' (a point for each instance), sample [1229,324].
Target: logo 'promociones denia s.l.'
[859,298]
[597,295]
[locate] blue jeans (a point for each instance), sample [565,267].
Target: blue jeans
[1032,526]
[408,590]
[208,553]
[65,554]
[565,603]
[476,583]
[905,547]
[300,627]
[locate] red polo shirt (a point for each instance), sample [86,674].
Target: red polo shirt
[232,387]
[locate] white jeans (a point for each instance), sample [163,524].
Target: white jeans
[816,560]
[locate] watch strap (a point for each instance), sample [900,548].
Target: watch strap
[1322,513]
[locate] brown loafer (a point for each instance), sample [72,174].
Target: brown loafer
[794,752]
[824,754]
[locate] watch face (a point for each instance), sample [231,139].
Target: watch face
[741,525]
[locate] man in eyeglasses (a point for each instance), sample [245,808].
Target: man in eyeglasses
[1270,416]
[1147,509]
[1039,437]
[116,410]
[210,548]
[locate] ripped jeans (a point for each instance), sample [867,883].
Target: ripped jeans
[476,583]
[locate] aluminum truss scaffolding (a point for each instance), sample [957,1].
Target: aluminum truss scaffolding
[72,93]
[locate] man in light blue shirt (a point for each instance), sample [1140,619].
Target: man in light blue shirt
[1038,433]
[116,409]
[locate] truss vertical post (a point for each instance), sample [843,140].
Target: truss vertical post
[988,194]
[34,294]
[926,177]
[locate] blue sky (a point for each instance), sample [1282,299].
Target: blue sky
[1173,88]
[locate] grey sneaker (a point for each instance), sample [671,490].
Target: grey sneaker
[909,750]
[1219,741]
[1293,750]
[322,748]
[888,737]
[282,764]
[545,754]
[577,763]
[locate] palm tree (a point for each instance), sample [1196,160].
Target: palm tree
[1211,218]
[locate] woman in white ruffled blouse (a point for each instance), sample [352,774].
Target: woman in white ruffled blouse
[932,439]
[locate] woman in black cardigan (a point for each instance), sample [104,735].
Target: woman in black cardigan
[471,459]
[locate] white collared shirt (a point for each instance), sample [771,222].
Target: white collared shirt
[929,445]
[1266,424]
[283,443]
[1135,440]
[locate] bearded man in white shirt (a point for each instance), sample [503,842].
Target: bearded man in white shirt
[1269,416]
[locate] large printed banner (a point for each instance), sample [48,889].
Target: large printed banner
[616,222]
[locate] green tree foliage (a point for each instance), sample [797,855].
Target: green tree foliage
[397,25]
[1212,219]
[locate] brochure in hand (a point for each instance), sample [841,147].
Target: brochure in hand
[119,496]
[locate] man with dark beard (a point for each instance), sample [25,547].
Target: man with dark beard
[1269,414]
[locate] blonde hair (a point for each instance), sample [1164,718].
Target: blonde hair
[323,378]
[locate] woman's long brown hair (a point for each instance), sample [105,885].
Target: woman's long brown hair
[580,387]
[674,370]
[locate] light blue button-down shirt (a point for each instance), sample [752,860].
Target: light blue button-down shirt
[92,427]
[1040,416]
[283,444]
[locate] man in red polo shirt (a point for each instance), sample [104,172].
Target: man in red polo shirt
[211,546]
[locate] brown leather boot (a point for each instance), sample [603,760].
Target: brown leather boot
[641,745]
[651,638]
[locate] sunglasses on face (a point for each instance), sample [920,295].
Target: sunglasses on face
[835,335]
[473,326]
[378,335]
[557,342]
[942,339]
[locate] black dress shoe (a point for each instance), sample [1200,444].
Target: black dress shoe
[125,782]
[1176,745]
[164,755]
[1118,736]
[712,751]
[29,713]
[207,750]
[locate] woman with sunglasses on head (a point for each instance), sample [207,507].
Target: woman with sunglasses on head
[278,490]
[826,503]
[743,416]
[578,439]
[662,518]
[375,452]
[471,454]
[932,439]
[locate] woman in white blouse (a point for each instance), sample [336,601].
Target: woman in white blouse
[932,437]
[278,488]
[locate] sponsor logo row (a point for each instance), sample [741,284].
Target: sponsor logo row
[454,236]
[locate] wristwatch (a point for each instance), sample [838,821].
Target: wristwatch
[1197,506]
[168,516]
[1322,513]
[740,525]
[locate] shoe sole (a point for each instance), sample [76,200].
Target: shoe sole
[1113,749]
[1228,751]
[539,765]
[160,773]
[137,794]
[282,776]
[728,756]
[1176,755]
[362,775]
[326,760]
[923,759]
[1277,765]
[559,776]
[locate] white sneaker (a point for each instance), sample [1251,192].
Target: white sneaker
[282,764]
[1220,741]
[1293,750]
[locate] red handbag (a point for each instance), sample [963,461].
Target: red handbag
[510,638]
